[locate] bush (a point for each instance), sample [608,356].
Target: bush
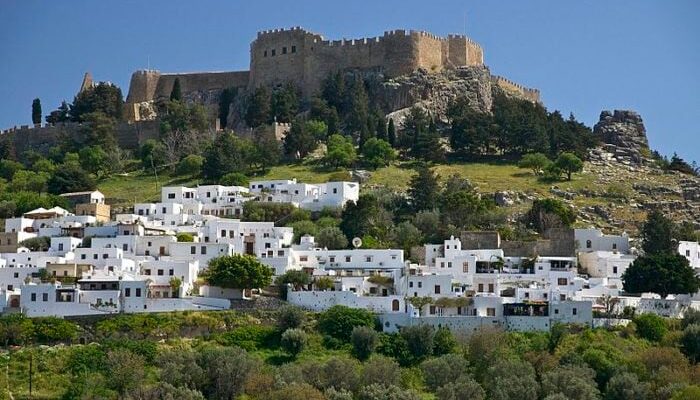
[420,340]
[626,386]
[444,341]
[250,337]
[190,165]
[440,371]
[184,237]
[294,341]
[364,341]
[381,370]
[339,321]
[382,392]
[87,358]
[290,317]
[464,388]
[690,342]
[332,238]
[234,179]
[650,327]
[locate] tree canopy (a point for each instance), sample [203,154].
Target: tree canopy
[238,272]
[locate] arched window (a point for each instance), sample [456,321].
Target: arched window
[588,244]
[394,305]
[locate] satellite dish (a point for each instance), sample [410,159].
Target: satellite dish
[356,242]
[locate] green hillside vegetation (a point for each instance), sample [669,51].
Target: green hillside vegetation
[339,355]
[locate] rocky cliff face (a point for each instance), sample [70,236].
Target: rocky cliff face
[624,133]
[435,91]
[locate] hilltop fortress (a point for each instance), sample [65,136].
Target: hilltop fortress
[305,58]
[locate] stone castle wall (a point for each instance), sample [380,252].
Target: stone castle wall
[296,55]
[516,89]
[149,85]
[41,139]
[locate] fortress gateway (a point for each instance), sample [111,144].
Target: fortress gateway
[305,58]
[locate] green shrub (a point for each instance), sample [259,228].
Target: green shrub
[249,338]
[339,321]
[650,327]
[294,341]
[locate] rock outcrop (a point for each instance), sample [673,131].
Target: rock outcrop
[624,134]
[435,91]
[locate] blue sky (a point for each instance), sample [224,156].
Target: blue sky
[584,56]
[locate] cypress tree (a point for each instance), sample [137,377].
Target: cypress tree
[424,189]
[176,93]
[391,132]
[380,124]
[36,111]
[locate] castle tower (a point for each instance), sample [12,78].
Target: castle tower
[87,82]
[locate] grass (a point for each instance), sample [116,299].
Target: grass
[140,186]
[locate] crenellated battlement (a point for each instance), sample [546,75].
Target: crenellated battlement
[510,86]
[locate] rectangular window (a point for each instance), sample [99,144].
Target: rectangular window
[410,284]
[284,50]
[481,287]
[160,272]
[193,250]
[614,270]
[294,49]
[491,312]
[348,258]
[273,52]
[574,311]
[44,297]
[138,292]
[204,249]
[171,272]
[614,246]
[147,272]
[420,284]
[465,267]
[125,247]
[265,53]
[491,290]
[562,281]
[368,258]
[33,296]
[127,292]
[171,195]
[303,258]
[437,289]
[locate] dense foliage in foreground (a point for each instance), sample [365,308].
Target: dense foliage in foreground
[290,354]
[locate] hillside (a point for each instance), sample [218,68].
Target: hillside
[607,194]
